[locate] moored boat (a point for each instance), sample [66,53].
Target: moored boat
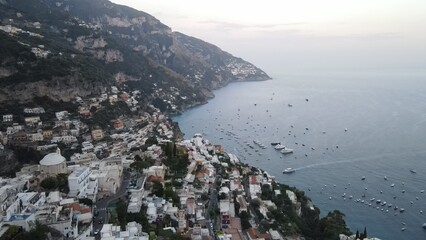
[289,170]
[286,150]
[279,146]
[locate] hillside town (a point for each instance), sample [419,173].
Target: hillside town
[134,177]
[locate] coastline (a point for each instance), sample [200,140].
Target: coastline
[212,96]
[183,134]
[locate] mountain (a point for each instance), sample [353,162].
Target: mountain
[67,48]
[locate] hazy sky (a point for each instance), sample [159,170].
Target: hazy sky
[283,36]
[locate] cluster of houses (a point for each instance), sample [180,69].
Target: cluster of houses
[194,218]
[95,169]
[207,196]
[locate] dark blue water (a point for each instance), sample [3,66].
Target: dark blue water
[385,118]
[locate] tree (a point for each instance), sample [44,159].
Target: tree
[158,189]
[11,232]
[237,207]
[222,196]
[245,217]
[267,192]
[151,141]
[170,194]
[86,201]
[364,234]
[333,224]
[62,179]
[204,197]
[140,165]
[38,233]
[121,210]
[49,183]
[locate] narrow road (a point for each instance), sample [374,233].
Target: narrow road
[102,205]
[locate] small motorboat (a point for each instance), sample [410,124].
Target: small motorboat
[289,170]
[286,150]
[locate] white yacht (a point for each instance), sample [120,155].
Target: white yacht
[286,150]
[279,146]
[289,170]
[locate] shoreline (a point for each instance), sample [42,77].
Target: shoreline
[208,98]
[245,164]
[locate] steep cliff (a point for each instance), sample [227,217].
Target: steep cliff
[68,48]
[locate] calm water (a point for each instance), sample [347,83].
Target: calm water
[385,117]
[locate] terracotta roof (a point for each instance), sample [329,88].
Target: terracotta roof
[75,206]
[153,178]
[200,175]
[254,235]
[85,210]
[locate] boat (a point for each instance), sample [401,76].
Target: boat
[289,170]
[275,143]
[286,150]
[424,225]
[290,105]
[363,178]
[279,146]
[413,171]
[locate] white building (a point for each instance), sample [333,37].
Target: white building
[35,137]
[31,121]
[64,139]
[22,211]
[133,232]
[8,118]
[156,171]
[108,173]
[78,182]
[83,158]
[61,115]
[151,212]
[87,147]
[10,131]
[36,110]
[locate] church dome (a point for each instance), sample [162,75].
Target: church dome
[52,159]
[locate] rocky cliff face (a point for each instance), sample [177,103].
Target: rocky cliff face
[68,48]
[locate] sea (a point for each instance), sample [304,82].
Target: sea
[359,142]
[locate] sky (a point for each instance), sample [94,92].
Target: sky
[299,36]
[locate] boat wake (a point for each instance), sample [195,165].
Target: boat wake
[360,159]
